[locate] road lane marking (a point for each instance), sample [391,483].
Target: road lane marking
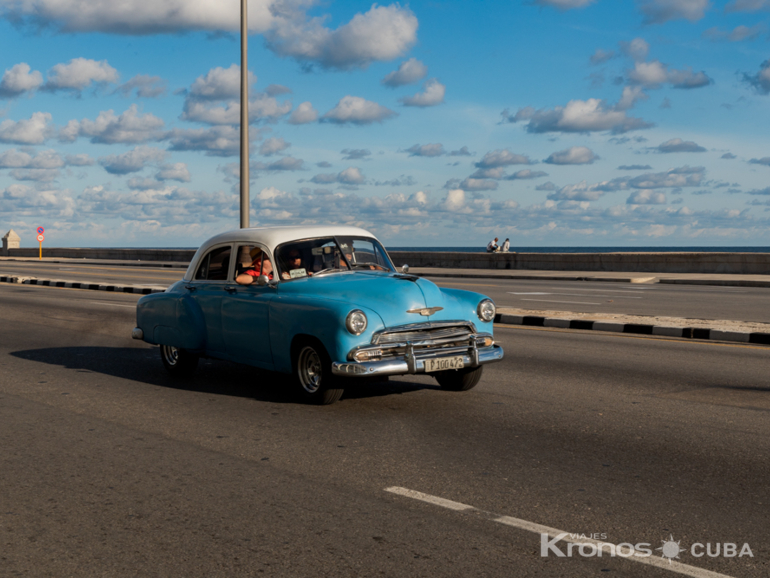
[577,295]
[552,301]
[113,304]
[641,558]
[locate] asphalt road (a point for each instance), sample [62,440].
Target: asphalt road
[690,301]
[111,468]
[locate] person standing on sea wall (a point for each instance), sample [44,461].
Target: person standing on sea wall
[492,246]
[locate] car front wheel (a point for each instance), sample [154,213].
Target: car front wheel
[178,361]
[459,379]
[313,373]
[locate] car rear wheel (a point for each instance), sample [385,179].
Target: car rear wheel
[313,374]
[459,379]
[178,361]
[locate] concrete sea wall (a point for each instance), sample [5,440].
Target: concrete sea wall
[738,263]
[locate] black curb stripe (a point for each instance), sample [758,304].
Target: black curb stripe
[700,333]
[581,324]
[762,338]
[128,289]
[110,288]
[638,328]
[533,321]
[60,284]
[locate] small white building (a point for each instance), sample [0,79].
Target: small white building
[10,241]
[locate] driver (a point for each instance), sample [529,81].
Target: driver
[293,262]
[260,265]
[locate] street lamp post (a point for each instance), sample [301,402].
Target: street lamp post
[244,116]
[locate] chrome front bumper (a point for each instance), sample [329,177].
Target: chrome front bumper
[411,363]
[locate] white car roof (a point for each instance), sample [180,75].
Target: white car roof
[271,237]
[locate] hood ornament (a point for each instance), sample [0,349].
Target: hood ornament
[426,311]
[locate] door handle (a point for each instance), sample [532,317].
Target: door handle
[231,289]
[190,288]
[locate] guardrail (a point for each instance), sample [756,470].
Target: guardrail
[738,263]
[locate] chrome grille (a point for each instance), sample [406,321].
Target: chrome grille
[440,334]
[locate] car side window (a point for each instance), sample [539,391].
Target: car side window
[215,265]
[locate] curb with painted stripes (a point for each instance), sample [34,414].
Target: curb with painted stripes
[637,328]
[142,290]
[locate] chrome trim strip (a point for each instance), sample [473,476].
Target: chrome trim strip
[402,366]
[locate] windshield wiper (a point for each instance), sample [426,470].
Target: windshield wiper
[328,270]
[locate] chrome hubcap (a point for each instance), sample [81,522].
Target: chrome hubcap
[170,354]
[309,369]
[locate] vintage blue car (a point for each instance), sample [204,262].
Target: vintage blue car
[322,303]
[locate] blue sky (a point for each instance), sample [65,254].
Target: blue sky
[551,122]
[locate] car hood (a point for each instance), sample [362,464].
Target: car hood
[392,295]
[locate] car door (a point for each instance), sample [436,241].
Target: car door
[245,315]
[207,289]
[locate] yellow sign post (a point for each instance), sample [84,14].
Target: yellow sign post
[40,239]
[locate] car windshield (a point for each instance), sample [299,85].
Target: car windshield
[312,257]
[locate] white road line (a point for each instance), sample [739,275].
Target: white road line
[552,301]
[114,304]
[578,295]
[641,558]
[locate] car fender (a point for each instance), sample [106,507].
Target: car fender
[296,316]
[171,318]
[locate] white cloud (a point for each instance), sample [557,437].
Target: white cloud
[677,145]
[33,131]
[356,110]
[350,176]
[273,145]
[282,164]
[137,17]
[761,80]
[22,200]
[432,94]
[263,107]
[408,72]
[646,197]
[650,74]
[660,11]
[763,161]
[681,177]
[382,33]
[461,152]
[426,150]
[564,4]
[78,74]
[502,158]
[132,161]
[108,128]
[748,6]
[572,156]
[637,49]
[355,154]
[526,174]
[601,56]
[631,95]
[578,116]
[303,114]
[174,172]
[220,141]
[471,184]
[219,84]
[146,86]
[579,192]
[21,159]
[737,34]
[19,79]
[277,90]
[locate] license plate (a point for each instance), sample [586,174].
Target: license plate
[444,363]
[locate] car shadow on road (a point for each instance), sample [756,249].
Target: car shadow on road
[143,364]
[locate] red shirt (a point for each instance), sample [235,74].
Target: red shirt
[257,272]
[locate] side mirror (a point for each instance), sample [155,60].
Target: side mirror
[405,268]
[262,280]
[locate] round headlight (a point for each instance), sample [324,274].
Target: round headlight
[356,322]
[486,310]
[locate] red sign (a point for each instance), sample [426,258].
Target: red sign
[40,230]
[41,238]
